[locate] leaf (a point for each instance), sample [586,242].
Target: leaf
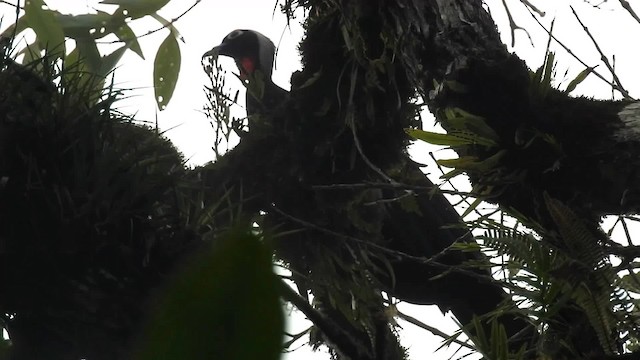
[88,53]
[166,69]
[472,163]
[126,35]
[463,162]
[471,207]
[110,61]
[461,120]
[167,25]
[98,26]
[578,79]
[82,24]
[17,27]
[451,139]
[435,138]
[548,70]
[451,174]
[310,81]
[45,25]
[137,8]
[223,305]
[73,67]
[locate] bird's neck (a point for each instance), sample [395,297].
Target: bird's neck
[256,82]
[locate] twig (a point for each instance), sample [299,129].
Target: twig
[626,6]
[294,338]
[399,186]
[17,5]
[594,72]
[358,240]
[433,330]
[603,57]
[464,196]
[532,7]
[164,26]
[513,26]
[371,185]
[399,254]
[352,124]
[340,337]
[390,200]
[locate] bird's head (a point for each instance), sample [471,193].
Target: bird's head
[251,50]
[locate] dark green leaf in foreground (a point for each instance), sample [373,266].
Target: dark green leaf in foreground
[166,69]
[138,8]
[45,25]
[222,305]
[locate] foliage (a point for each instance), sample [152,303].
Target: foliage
[218,109]
[88,30]
[562,264]
[97,211]
[228,300]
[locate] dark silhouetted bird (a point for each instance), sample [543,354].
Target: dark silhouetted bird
[254,54]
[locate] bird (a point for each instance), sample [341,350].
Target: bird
[420,234]
[254,54]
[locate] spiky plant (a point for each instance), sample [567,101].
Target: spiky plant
[95,209]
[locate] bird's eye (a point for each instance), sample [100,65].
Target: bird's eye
[234,34]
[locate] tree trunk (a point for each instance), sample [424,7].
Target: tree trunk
[363,63]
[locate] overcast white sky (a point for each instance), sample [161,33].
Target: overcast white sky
[211,20]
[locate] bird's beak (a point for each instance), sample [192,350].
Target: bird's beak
[213,52]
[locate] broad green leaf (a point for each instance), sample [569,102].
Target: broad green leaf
[451,139]
[480,192]
[471,207]
[17,27]
[167,24]
[72,58]
[451,174]
[88,53]
[166,68]
[137,8]
[467,163]
[110,61]
[459,119]
[45,25]
[100,25]
[464,162]
[223,305]
[73,67]
[126,35]
[82,24]
[435,138]
[578,79]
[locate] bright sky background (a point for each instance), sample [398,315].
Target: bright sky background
[211,20]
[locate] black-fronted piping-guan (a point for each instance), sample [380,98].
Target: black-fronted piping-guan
[426,231]
[253,51]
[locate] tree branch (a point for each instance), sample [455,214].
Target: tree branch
[345,342]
